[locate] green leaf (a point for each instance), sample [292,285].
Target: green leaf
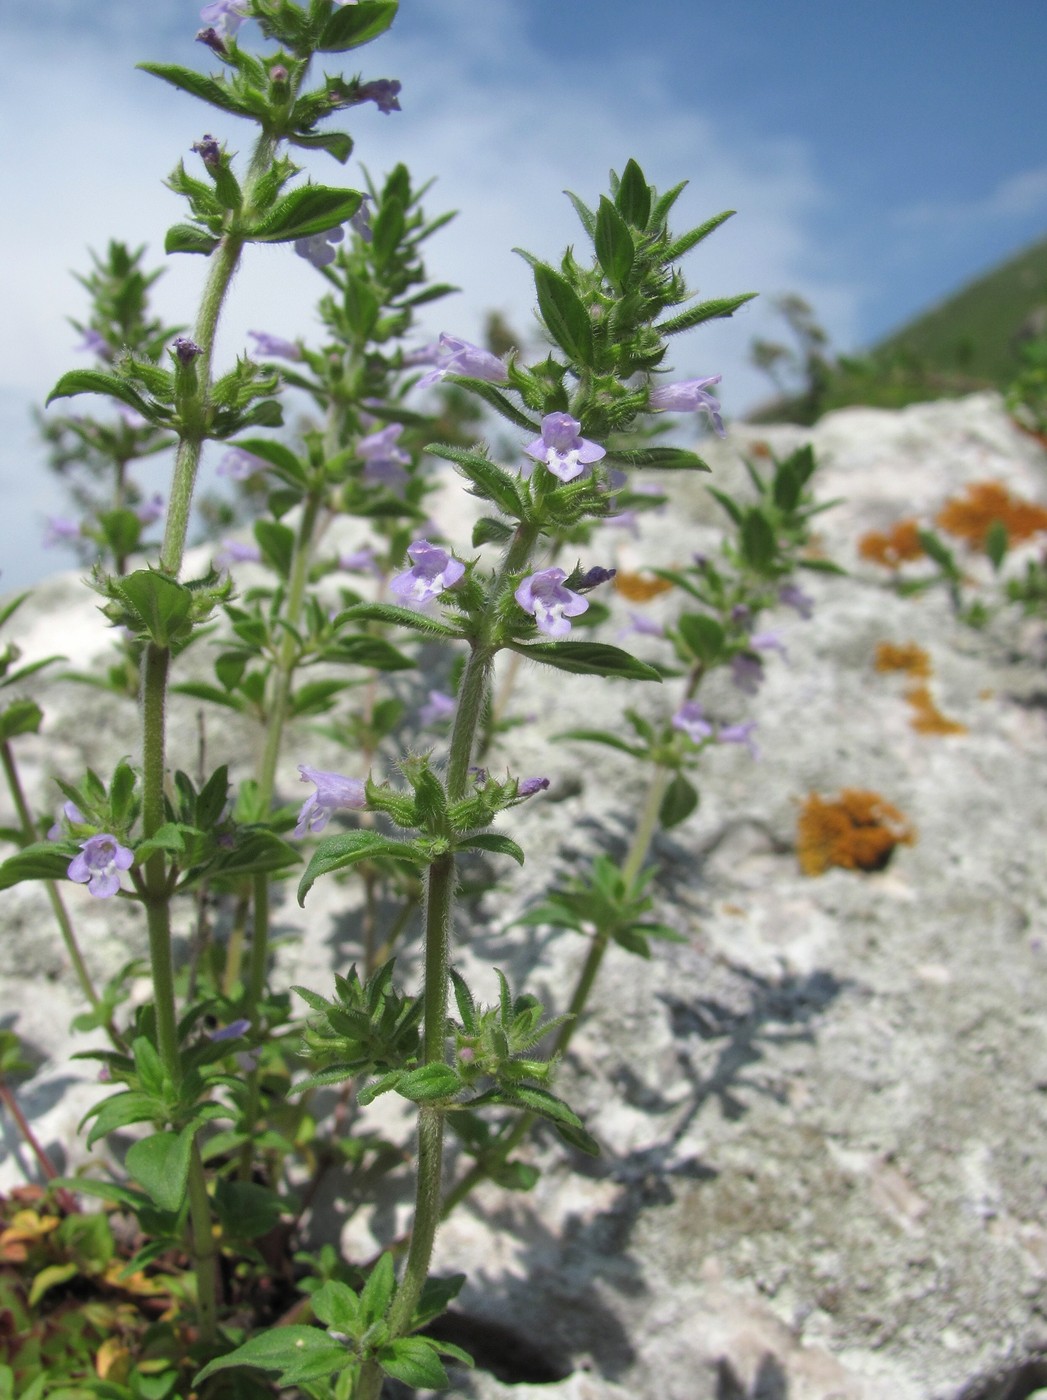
[490,481]
[160,1165]
[587,659]
[614,243]
[485,390]
[494,842]
[487,530]
[104,1191]
[337,143]
[665,459]
[933,547]
[429,1083]
[312,209]
[601,736]
[20,717]
[337,1306]
[97,381]
[403,617]
[704,311]
[350,26]
[758,543]
[338,852]
[276,454]
[44,860]
[685,243]
[162,605]
[996,542]
[189,238]
[680,800]
[378,1291]
[414,1361]
[374,652]
[188,80]
[285,1349]
[119,1110]
[633,197]
[437,1294]
[276,542]
[246,1210]
[703,635]
[564,315]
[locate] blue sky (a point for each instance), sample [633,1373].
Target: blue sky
[877,155]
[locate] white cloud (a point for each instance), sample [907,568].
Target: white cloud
[1014,197]
[505,129]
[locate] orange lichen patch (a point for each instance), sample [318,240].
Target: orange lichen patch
[969,517]
[928,719]
[760,448]
[640,588]
[908,657]
[894,547]
[858,831]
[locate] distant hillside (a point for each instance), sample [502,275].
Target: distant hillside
[976,331]
[971,340]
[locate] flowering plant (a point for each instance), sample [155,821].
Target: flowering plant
[215,1071]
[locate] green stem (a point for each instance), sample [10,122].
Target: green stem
[205,1258]
[155,666]
[61,914]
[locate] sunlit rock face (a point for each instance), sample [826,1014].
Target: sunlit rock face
[822,1114]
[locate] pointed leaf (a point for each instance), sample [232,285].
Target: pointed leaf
[664,459]
[428,1083]
[189,238]
[207,89]
[97,381]
[350,27]
[615,250]
[338,852]
[494,842]
[704,311]
[683,245]
[414,1361]
[281,1349]
[310,210]
[634,196]
[588,659]
[391,612]
[680,800]
[564,315]
[160,1165]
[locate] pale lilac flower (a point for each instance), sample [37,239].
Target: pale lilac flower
[457,356]
[432,570]
[690,719]
[226,16]
[645,626]
[794,597]
[739,734]
[383,92]
[530,786]
[747,672]
[332,791]
[317,248]
[236,552]
[71,813]
[562,448]
[148,512]
[437,708]
[769,641]
[239,465]
[95,343]
[381,447]
[232,1031]
[100,858]
[424,355]
[549,602]
[361,220]
[359,561]
[61,530]
[687,396]
[275,345]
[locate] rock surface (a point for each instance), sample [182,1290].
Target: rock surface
[823,1115]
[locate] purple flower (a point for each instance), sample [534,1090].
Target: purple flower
[213,40]
[769,641]
[457,356]
[61,530]
[747,672]
[690,719]
[361,220]
[97,864]
[794,597]
[383,92]
[424,355]
[317,248]
[239,465]
[687,396]
[741,615]
[187,350]
[72,814]
[436,709]
[564,452]
[95,343]
[274,345]
[235,552]
[208,149]
[432,570]
[226,16]
[232,1031]
[381,447]
[739,734]
[530,786]
[545,598]
[593,578]
[332,791]
[150,511]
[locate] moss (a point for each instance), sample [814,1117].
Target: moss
[857,831]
